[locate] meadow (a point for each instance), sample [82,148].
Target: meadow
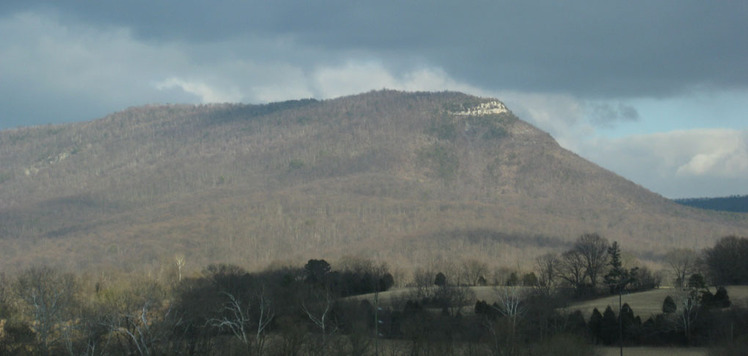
[648,303]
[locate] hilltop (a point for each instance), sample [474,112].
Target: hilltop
[407,178]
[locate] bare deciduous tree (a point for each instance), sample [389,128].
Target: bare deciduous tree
[48,295]
[683,262]
[139,327]
[137,313]
[509,303]
[180,262]
[473,270]
[236,318]
[594,252]
[571,269]
[265,314]
[547,266]
[423,279]
[318,306]
[454,298]
[689,301]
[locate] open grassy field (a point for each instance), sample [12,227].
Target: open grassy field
[644,304]
[648,303]
[396,295]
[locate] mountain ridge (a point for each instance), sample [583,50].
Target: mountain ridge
[405,177]
[734,203]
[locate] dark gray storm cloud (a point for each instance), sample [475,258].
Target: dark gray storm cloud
[586,48]
[607,114]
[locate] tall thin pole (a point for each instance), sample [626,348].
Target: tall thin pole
[376,321]
[620,320]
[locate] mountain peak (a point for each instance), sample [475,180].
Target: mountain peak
[404,176]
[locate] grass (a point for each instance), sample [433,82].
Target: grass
[643,304]
[648,303]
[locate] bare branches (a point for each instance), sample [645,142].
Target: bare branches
[690,306]
[571,268]
[510,305]
[180,262]
[48,295]
[509,301]
[548,266]
[594,252]
[138,329]
[474,270]
[582,265]
[236,320]
[683,262]
[266,315]
[318,308]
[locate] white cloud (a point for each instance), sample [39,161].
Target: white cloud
[717,153]
[352,77]
[206,93]
[686,163]
[77,70]
[356,76]
[560,115]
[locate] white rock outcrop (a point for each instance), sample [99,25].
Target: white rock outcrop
[489,108]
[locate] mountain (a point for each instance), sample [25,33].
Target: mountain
[736,204]
[407,178]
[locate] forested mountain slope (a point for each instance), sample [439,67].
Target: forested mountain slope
[409,178]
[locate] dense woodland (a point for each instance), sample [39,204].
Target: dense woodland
[350,308]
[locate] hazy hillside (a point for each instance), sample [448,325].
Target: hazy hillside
[736,204]
[406,177]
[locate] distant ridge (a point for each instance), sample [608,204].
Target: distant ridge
[406,178]
[735,203]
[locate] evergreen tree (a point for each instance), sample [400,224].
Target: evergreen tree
[440,280]
[317,271]
[629,322]
[669,306]
[513,280]
[717,300]
[609,326]
[618,277]
[696,281]
[594,326]
[721,299]
[575,323]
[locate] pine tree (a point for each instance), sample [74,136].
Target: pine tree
[669,306]
[618,277]
[594,326]
[609,326]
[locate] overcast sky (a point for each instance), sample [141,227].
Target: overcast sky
[654,90]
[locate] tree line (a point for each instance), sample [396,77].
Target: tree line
[321,309]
